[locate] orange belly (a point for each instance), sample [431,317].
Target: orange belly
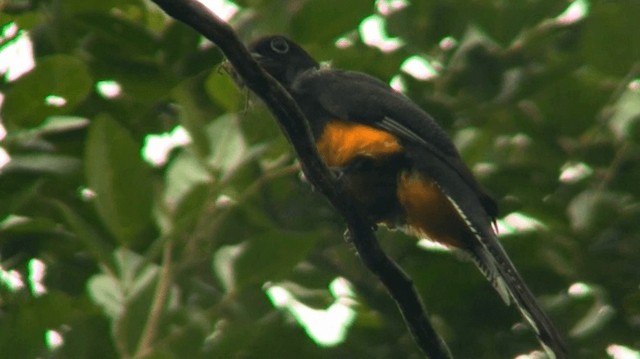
[428,211]
[342,141]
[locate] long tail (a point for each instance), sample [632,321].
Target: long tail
[478,240]
[495,264]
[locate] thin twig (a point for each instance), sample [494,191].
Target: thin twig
[121,334]
[294,125]
[145,345]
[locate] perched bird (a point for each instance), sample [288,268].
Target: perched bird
[400,167]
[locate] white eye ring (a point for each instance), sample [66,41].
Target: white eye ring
[279,45]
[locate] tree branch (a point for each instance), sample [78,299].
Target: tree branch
[294,125]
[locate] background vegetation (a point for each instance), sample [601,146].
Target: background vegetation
[220,250]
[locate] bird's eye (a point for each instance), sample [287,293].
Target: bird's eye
[279,45]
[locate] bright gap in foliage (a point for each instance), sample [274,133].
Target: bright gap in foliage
[86,194]
[577,11]
[55,101]
[536,354]
[37,270]
[574,172]
[53,339]
[616,351]
[432,246]
[373,33]
[448,43]
[598,314]
[108,88]
[156,148]
[16,58]
[388,7]
[343,43]
[517,222]
[325,327]
[224,9]
[419,67]
[398,84]
[11,279]
[4,156]
[16,54]
[579,290]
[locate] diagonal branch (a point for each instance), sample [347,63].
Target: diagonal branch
[294,125]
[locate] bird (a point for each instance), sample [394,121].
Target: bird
[401,168]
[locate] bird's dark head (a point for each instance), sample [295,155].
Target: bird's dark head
[282,58]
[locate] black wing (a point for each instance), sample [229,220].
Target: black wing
[361,98]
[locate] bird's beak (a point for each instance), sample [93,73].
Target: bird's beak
[256,56]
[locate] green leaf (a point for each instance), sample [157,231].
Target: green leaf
[64,76]
[105,292]
[624,121]
[326,20]
[16,192]
[88,338]
[193,116]
[228,145]
[596,317]
[476,65]
[89,236]
[34,139]
[25,20]
[190,209]
[114,291]
[120,179]
[22,327]
[126,295]
[592,210]
[135,273]
[183,173]
[607,43]
[115,36]
[268,256]
[223,91]
[59,124]
[179,41]
[83,7]
[266,334]
[259,126]
[46,163]
[26,225]
[224,263]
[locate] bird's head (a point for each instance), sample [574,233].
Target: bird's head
[282,58]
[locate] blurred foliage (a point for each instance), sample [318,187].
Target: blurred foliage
[181,259]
